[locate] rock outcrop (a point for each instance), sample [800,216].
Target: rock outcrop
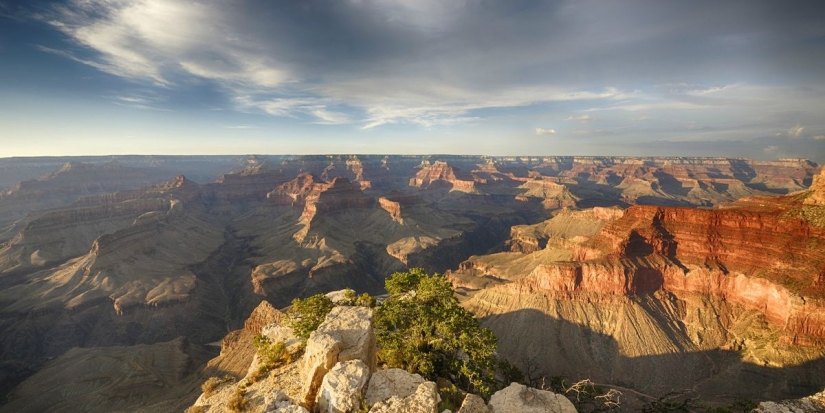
[442,174]
[391,382]
[346,334]
[342,388]
[817,191]
[278,402]
[351,385]
[811,404]
[520,398]
[739,285]
[473,404]
[424,400]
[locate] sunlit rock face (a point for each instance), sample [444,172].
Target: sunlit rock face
[732,292]
[817,191]
[441,173]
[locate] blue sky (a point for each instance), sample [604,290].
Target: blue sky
[698,78]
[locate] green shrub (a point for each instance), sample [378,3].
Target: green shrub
[429,333]
[451,396]
[365,300]
[237,403]
[258,373]
[269,353]
[208,387]
[308,313]
[402,282]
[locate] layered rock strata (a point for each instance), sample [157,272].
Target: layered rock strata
[653,287]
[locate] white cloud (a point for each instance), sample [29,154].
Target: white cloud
[581,119]
[543,131]
[327,117]
[159,39]
[144,100]
[292,107]
[796,131]
[819,138]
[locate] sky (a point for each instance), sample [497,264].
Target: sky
[509,77]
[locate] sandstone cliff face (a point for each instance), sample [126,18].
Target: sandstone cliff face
[296,191]
[731,286]
[817,191]
[395,201]
[337,195]
[251,184]
[441,173]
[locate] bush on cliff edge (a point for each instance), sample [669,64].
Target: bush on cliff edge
[422,328]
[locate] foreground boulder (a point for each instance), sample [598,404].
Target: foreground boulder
[391,382]
[523,399]
[278,402]
[343,387]
[473,404]
[424,400]
[346,334]
[810,404]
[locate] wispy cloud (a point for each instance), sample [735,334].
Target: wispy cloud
[580,119]
[240,126]
[315,108]
[795,131]
[543,131]
[143,100]
[158,40]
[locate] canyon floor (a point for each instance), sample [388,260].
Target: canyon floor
[119,276]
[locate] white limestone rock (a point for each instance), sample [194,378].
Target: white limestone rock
[338,297]
[343,387]
[523,399]
[278,402]
[346,334]
[277,332]
[473,404]
[810,404]
[391,382]
[424,400]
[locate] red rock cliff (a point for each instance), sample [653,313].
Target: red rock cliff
[764,253]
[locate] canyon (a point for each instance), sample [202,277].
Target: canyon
[643,273]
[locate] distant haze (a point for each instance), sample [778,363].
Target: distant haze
[522,77]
